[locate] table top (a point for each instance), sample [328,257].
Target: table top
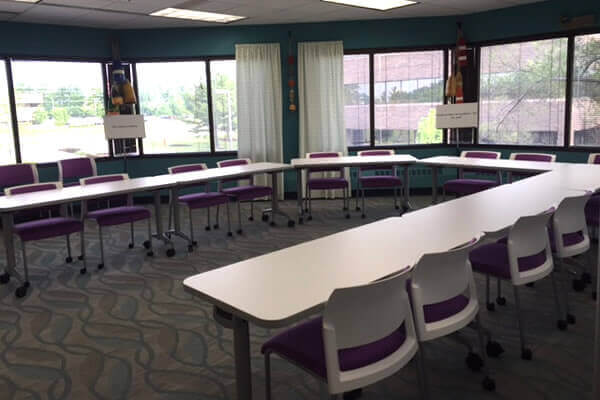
[134,185]
[493,164]
[351,161]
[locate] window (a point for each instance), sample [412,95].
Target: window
[59,109]
[357,113]
[7,144]
[522,93]
[174,102]
[585,109]
[408,87]
[224,104]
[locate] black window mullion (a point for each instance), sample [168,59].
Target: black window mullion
[138,103]
[13,110]
[477,69]
[569,89]
[445,139]
[372,96]
[104,71]
[211,125]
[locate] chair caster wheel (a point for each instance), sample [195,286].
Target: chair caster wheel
[250,218]
[474,362]
[131,245]
[571,319]
[21,291]
[100,266]
[526,354]
[594,295]
[488,384]
[362,216]
[352,395]
[561,325]
[147,244]
[501,301]
[272,223]
[578,285]
[494,349]
[491,306]
[586,277]
[357,208]
[309,218]
[207,228]
[4,278]
[69,260]
[216,226]
[291,224]
[80,258]
[230,234]
[530,284]
[194,243]
[347,216]
[150,254]
[265,217]
[82,271]
[397,207]
[170,252]
[190,248]
[239,231]
[306,210]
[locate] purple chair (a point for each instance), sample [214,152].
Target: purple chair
[524,258]
[71,170]
[204,199]
[389,179]
[366,334]
[247,192]
[116,215]
[529,157]
[463,186]
[44,229]
[326,183]
[22,174]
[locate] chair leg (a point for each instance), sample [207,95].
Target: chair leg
[101,265]
[501,301]
[268,376]
[21,291]
[346,203]
[228,220]
[570,318]
[69,258]
[525,352]
[396,207]
[83,269]
[207,219]
[251,218]
[309,204]
[363,203]
[239,208]
[132,243]
[191,222]
[490,306]
[422,372]
[150,252]
[560,323]
[216,225]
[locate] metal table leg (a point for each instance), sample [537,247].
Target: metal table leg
[299,195]
[160,233]
[407,206]
[434,183]
[176,231]
[275,210]
[9,248]
[596,375]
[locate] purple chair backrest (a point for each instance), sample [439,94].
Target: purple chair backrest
[103,179]
[18,174]
[113,201]
[233,163]
[187,168]
[533,157]
[76,168]
[325,154]
[594,158]
[36,187]
[380,152]
[492,155]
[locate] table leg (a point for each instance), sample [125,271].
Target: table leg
[9,245]
[176,231]
[160,233]
[407,206]
[241,348]
[275,210]
[299,195]
[434,183]
[596,375]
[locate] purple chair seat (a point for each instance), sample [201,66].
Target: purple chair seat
[327,183]
[119,215]
[440,311]
[249,192]
[47,228]
[381,181]
[569,239]
[468,186]
[303,344]
[203,200]
[492,259]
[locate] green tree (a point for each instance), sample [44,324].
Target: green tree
[427,132]
[60,116]
[39,116]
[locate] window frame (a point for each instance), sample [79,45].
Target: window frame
[371,52]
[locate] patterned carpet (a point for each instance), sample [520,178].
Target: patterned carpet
[131,332]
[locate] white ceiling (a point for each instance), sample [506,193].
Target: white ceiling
[133,14]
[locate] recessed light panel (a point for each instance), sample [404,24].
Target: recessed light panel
[196,15]
[381,5]
[27,1]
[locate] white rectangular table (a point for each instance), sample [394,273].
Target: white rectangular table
[283,287]
[396,160]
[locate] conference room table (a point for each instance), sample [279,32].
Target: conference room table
[397,160]
[9,205]
[286,286]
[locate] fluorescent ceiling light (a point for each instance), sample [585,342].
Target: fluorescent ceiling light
[27,1]
[196,15]
[381,5]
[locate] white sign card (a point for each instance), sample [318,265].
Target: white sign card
[465,115]
[124,126]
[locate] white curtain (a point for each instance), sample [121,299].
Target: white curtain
[321,98]
[259,102]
